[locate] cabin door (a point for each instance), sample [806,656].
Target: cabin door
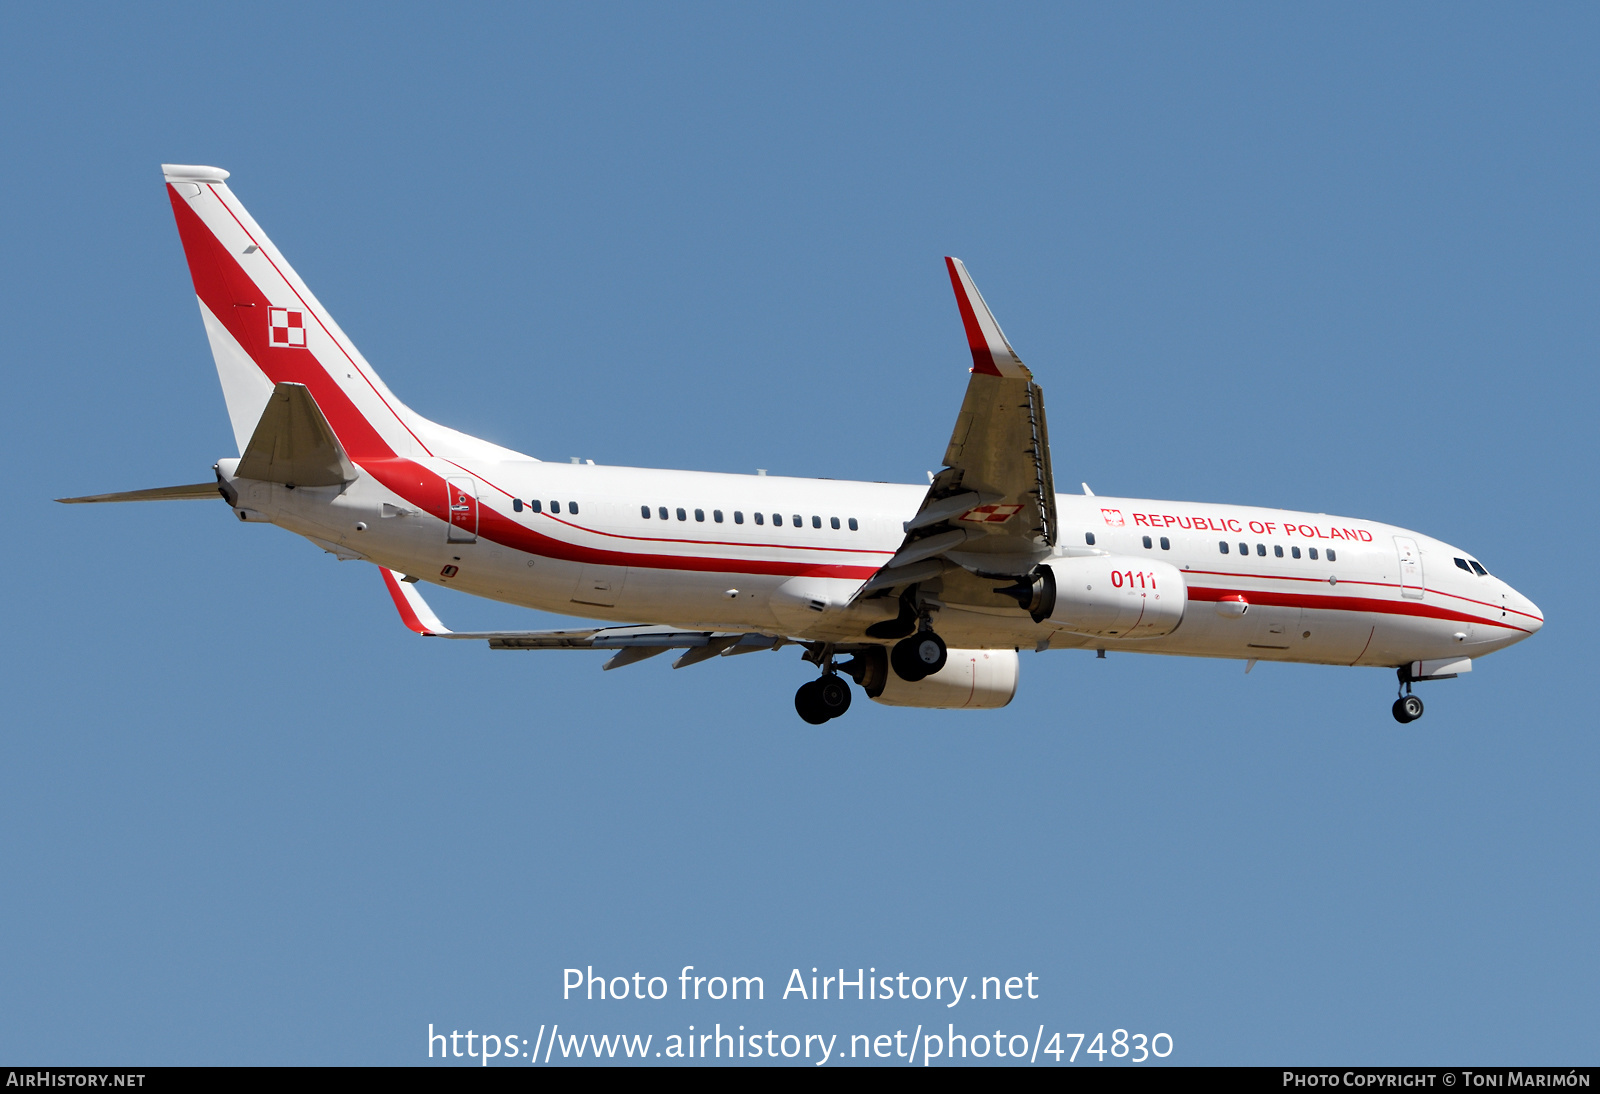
[1410,567]
[462,498]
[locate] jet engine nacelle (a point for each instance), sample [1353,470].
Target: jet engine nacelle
[1107,596]
[970,680]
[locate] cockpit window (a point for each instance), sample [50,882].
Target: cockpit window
[1461,562]
[1478,566]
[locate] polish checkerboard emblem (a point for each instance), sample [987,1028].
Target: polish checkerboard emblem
[288,326]
[991,514]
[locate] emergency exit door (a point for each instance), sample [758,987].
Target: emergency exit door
[461,493]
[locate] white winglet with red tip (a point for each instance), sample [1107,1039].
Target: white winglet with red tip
[992,355]
[414,611]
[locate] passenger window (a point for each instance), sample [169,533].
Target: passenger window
[1088,537]
[1146,543]
[1476,565]
[1313,551]
[738,516]
[834,523]
[700,515]
[854,527]
[1223,546]
[1331,556]
[1461,562]
[816,522]
[662,512]
[1295,551]
[716,515]
[682,515]
[572,507]
[1166,544]
[1244,548]
[761,518]
[1277,549]
[1261,549]
[536,506]
[777,520]
[516,505]
[555,507]
[799,521]
[644,511]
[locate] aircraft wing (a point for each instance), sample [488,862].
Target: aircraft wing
[631,643]
[992,510]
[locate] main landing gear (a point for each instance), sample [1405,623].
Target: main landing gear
[1407,708]
[913,658]
[919,656]
[823,698]
[920,653]
[828,696]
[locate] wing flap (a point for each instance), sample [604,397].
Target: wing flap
[632,643]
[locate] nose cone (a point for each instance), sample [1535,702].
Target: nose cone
[1537,617]
[1522,612]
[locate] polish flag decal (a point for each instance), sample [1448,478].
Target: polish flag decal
[991,514]
[288,327]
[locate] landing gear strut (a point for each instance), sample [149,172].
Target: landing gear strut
[1407,708]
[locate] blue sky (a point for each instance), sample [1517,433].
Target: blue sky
[1326,258]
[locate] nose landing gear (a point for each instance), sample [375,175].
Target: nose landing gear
[1407,708]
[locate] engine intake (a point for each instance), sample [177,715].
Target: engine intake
[1107,596]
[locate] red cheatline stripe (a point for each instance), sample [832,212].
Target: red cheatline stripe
[716,542]
[1487,604]
[1370,584]
[221,283]
[977,341]
[414,482]
[1346,604]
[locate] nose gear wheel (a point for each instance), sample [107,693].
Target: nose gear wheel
[1407,708]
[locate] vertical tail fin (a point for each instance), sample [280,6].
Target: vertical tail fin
[266,327]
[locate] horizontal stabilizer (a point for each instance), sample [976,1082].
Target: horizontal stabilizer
[293,443]
[161,493]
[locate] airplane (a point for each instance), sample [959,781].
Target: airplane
[922,595]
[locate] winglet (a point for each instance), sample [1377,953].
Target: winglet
[992,355]
[414,611]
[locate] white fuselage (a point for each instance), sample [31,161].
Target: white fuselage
[591,551]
